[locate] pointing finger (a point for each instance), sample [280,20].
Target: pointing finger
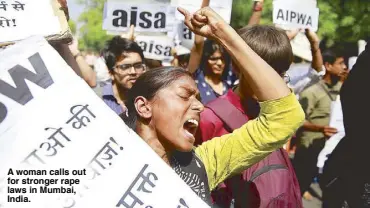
[183,12]
[187,16]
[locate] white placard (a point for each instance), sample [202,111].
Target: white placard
[301,47]
[336,115]
[54,120]
[155,47]
[145,17]
[336,121]
[329,147]
[20,19]
[294,15]
[222,7]
[183,34]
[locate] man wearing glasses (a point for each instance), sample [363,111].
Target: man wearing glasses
[125,61]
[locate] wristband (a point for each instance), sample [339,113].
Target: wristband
[257,7]
[314,50]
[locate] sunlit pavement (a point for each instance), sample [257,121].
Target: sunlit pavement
[315,202]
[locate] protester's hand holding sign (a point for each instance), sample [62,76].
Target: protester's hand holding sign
[317,61]
[292,33]
[312,37]
[87,73]
[131,34]
[257,12]
[329,131]
[175,60]
[64,7]
[73,47]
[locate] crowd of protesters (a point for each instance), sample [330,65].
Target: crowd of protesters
[221,115]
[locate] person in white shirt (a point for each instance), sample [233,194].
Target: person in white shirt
[299,78]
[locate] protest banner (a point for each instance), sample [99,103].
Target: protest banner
[296,14]
[20,19]
[336,121]
[155,47]
[187,37]
[61,146]
[183,34]
[223,8]
[146,17]
[301,46]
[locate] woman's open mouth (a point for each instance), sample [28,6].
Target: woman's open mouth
[190,127]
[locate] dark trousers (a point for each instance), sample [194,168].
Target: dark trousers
[333,195]
[305,163]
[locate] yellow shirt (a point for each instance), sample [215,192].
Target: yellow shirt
[232,153]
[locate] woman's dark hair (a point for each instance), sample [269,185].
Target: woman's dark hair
[114,48]
[211,46]
[147,85]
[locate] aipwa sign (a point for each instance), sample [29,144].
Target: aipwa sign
[294,15]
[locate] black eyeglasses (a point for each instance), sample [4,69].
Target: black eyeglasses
[124,68]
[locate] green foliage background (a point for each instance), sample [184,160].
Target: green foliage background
[340,20]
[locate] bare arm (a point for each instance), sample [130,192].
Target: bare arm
[197,49]
[66,54]
[280,114]
[308,103]
[265,82]
[317,61]
[308,126]
[82,69]
[175,60]
[87,73]
[257,13]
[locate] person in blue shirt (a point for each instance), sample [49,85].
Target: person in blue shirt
[212,75]
[125,62]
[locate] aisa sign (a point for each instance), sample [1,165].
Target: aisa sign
[155,47]
[146,17]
